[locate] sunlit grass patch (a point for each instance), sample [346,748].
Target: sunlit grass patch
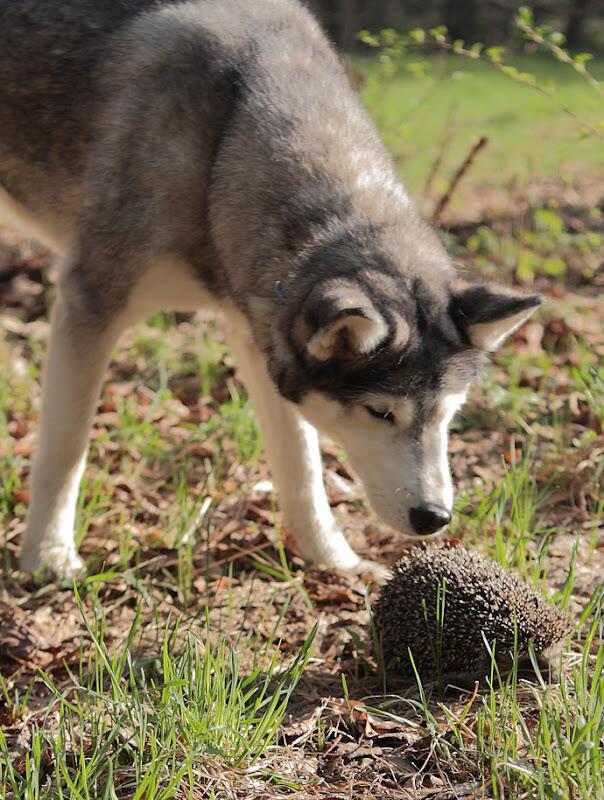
[135,722]
[457,100]
[546,739]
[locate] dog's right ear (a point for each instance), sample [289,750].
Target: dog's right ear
[489,313]
[341,320]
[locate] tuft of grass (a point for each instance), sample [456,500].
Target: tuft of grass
[555,751]
[140,727]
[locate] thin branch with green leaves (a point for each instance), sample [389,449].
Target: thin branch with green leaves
[394,45]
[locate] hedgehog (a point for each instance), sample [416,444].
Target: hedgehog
[444,603]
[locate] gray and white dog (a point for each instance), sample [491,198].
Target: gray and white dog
[212,153]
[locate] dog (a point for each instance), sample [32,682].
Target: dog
[212,153]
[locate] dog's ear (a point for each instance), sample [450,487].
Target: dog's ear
[340,319]
[489,313]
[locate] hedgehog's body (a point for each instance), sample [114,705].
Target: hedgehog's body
[482,600]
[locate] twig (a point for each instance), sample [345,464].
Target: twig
[463,168]
[525,80]
[562,55]
[443,147]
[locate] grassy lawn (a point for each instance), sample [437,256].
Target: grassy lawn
[459,100]
[222,667]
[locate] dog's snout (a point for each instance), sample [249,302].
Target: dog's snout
[428,518]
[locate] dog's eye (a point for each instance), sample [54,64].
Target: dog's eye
[386,416]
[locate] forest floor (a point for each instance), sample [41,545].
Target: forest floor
[224,668]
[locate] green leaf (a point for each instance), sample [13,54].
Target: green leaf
[439,33]
[512,72]
[555,267]
[584,747]
[417,35]
[525,16]
[495,53]
[390,37]
[552,793]
[546,219]
[368,39]
[527,77]
[526,265]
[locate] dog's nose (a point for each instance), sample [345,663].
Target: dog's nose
[428,519]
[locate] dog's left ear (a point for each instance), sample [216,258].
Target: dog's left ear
[489,313]
[355,330]
[339,318]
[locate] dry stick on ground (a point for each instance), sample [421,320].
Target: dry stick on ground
[443,147]
[464,167]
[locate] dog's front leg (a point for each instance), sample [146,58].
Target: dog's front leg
[295,460]
[79,351]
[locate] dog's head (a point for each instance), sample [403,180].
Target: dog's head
[382,368]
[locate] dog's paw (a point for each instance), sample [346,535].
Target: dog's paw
[328,549]
[353,564]
[57,561]
[379,572]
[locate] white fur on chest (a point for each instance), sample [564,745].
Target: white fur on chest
[167,285]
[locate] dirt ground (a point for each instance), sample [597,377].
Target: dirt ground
[532,408]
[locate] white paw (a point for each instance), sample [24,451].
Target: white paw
[327,549]
[60,561]
[380,572]
[331,551]
[355,566]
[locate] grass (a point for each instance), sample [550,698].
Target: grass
[185,662]
[462,100]
[222,668]
[140,725]
[554,753]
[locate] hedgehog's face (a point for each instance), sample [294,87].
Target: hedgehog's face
[386,384]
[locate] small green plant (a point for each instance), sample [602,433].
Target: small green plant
[558,755]
[394,46]
[131,721]
[435,627]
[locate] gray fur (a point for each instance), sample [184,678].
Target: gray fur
[221,135]
[236,116]
[222,132]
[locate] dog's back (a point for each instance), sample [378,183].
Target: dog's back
[63,64]
[50,54]
[169,78]
[50,57]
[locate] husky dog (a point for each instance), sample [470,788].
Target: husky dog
[212,153]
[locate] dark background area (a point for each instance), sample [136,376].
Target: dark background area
[488,21]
